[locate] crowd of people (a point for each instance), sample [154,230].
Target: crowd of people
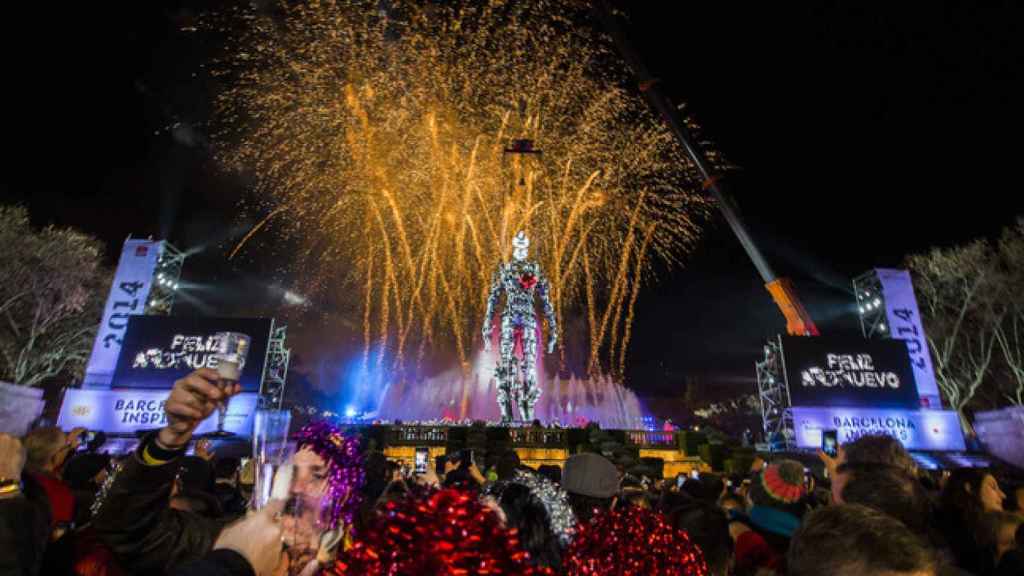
[344,510]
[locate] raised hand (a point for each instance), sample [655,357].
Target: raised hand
[204,450]
[75,437]
[832,464]
[191,401]
[476,475]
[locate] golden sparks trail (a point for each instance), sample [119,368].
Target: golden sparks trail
[377,136]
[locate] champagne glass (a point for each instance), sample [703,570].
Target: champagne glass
[231,353]
[271,454]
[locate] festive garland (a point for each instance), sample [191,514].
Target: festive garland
[447,532]
[632,542]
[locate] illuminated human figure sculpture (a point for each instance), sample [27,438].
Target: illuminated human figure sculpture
[516,370]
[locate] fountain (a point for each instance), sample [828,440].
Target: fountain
[570,402]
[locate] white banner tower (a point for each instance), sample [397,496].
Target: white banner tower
[888,309]
[147,278]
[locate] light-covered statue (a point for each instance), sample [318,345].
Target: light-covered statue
[516,371]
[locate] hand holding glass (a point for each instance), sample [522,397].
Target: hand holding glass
[231,353]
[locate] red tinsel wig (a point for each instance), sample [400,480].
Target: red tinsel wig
[632,542]
[443,533]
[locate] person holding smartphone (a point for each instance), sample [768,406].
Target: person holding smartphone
[461,471]
[830,442]
[421,460]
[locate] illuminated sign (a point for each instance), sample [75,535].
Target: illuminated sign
[128,293]
[158,350]
[849,372]
[915,429]
[905,324]
[127,411]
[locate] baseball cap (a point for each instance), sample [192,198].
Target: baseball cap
[590,475]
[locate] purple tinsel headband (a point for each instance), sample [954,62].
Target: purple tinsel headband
[344,468]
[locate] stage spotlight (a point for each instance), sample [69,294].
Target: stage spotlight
[861,308]
[294,299]
[350,412]
[882,326]
[877,302]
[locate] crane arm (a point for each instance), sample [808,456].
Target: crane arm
[798,321]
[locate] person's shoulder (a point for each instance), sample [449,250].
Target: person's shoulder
[1012,562]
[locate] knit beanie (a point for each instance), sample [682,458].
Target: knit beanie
[780,485]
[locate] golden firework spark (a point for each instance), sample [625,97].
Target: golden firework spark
[381,137]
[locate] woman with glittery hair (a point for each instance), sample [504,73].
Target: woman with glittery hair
[539,511]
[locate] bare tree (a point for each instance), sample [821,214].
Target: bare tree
[51,296]
[958,290]
[1010,332]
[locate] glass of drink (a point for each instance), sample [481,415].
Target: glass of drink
[271,454]
[231,353]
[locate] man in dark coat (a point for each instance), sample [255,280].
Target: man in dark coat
[134,517]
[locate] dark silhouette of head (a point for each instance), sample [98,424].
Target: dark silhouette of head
[226,468]
[890,490]
[879,449]
[708,527]
[853,540]
[524,512]
[508,463]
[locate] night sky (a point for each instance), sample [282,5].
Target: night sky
[862,131]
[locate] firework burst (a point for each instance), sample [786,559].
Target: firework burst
[377,137]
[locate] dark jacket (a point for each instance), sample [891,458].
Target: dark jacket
[217,563]
[24,530]
[231,500]
[135,522]
[1012,562]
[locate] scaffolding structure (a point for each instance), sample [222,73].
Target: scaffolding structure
[871,305]
[275,372]
[166,280]
[773,393]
